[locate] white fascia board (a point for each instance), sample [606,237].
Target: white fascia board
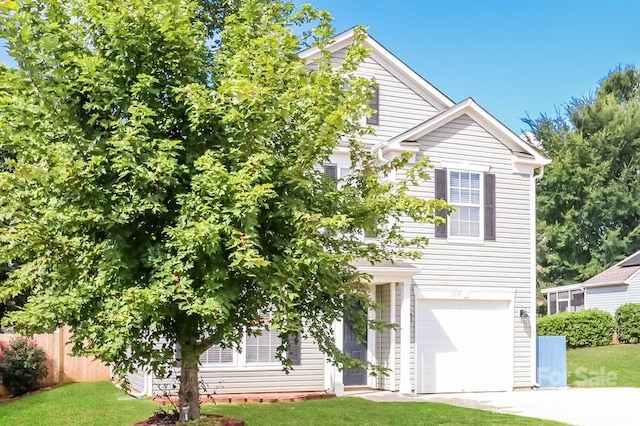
[394,151]
[340,41]
[558,289]
[389,275]
[606,284]
[390,62]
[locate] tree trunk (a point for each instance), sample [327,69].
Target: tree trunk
[189,392]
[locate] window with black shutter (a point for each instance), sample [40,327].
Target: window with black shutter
[474,216]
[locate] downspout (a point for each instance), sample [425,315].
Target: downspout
[145,387]
[534,313]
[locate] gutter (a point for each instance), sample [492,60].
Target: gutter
[378,147]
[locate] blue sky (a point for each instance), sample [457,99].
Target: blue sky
[513,57]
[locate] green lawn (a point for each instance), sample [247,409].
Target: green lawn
[604,366]
[102,404]
[76,404]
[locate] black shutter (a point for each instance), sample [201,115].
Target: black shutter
[331,170]
[489,206]
[374,104]
[441,192]
[293,352]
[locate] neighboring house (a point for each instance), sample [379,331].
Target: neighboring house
[606,291]
[465,312]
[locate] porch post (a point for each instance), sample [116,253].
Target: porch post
[405,339]
[372,381]
[392,336]
[332,374]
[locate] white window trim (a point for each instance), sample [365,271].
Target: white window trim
[275,363]
[222,365]
[465,239]
[240,362]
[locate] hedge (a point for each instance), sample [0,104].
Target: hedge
[584,328]
[628,323]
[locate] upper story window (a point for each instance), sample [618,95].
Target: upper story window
[374,104]
[464,194]
[330,170]
[473,193]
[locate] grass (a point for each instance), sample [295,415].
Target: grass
[356,411]
[604,366]
[96,404]
[102,404]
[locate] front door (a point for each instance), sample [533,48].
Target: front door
[357,350]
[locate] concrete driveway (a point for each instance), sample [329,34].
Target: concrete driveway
[595,406]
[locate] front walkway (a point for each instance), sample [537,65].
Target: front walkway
[585,407]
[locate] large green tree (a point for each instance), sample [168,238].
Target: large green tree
[166,187]
[589,198]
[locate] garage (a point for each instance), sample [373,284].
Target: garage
[464,345]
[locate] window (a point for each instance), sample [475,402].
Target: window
[374,104]
[553,306]
[216,355]
[472,193]
[262,349]
[331,170]
[464,194]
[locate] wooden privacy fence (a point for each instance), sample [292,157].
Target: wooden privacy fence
[63,367]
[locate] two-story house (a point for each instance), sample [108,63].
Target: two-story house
[465,312]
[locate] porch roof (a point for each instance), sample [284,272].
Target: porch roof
[387,271]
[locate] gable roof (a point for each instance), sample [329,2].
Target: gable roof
[620,273]
[525,153]
[389,61]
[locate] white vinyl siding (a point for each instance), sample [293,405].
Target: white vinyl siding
[610,298]
[136,380]
[308,376]
[503,263]
[400,108]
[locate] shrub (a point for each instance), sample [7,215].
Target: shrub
[628,323]
[585,328]
[22,366]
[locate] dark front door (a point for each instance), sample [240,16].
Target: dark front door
[357,350]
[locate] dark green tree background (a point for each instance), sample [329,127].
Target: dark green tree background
[589,198]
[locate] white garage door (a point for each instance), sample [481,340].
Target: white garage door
[464,345]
